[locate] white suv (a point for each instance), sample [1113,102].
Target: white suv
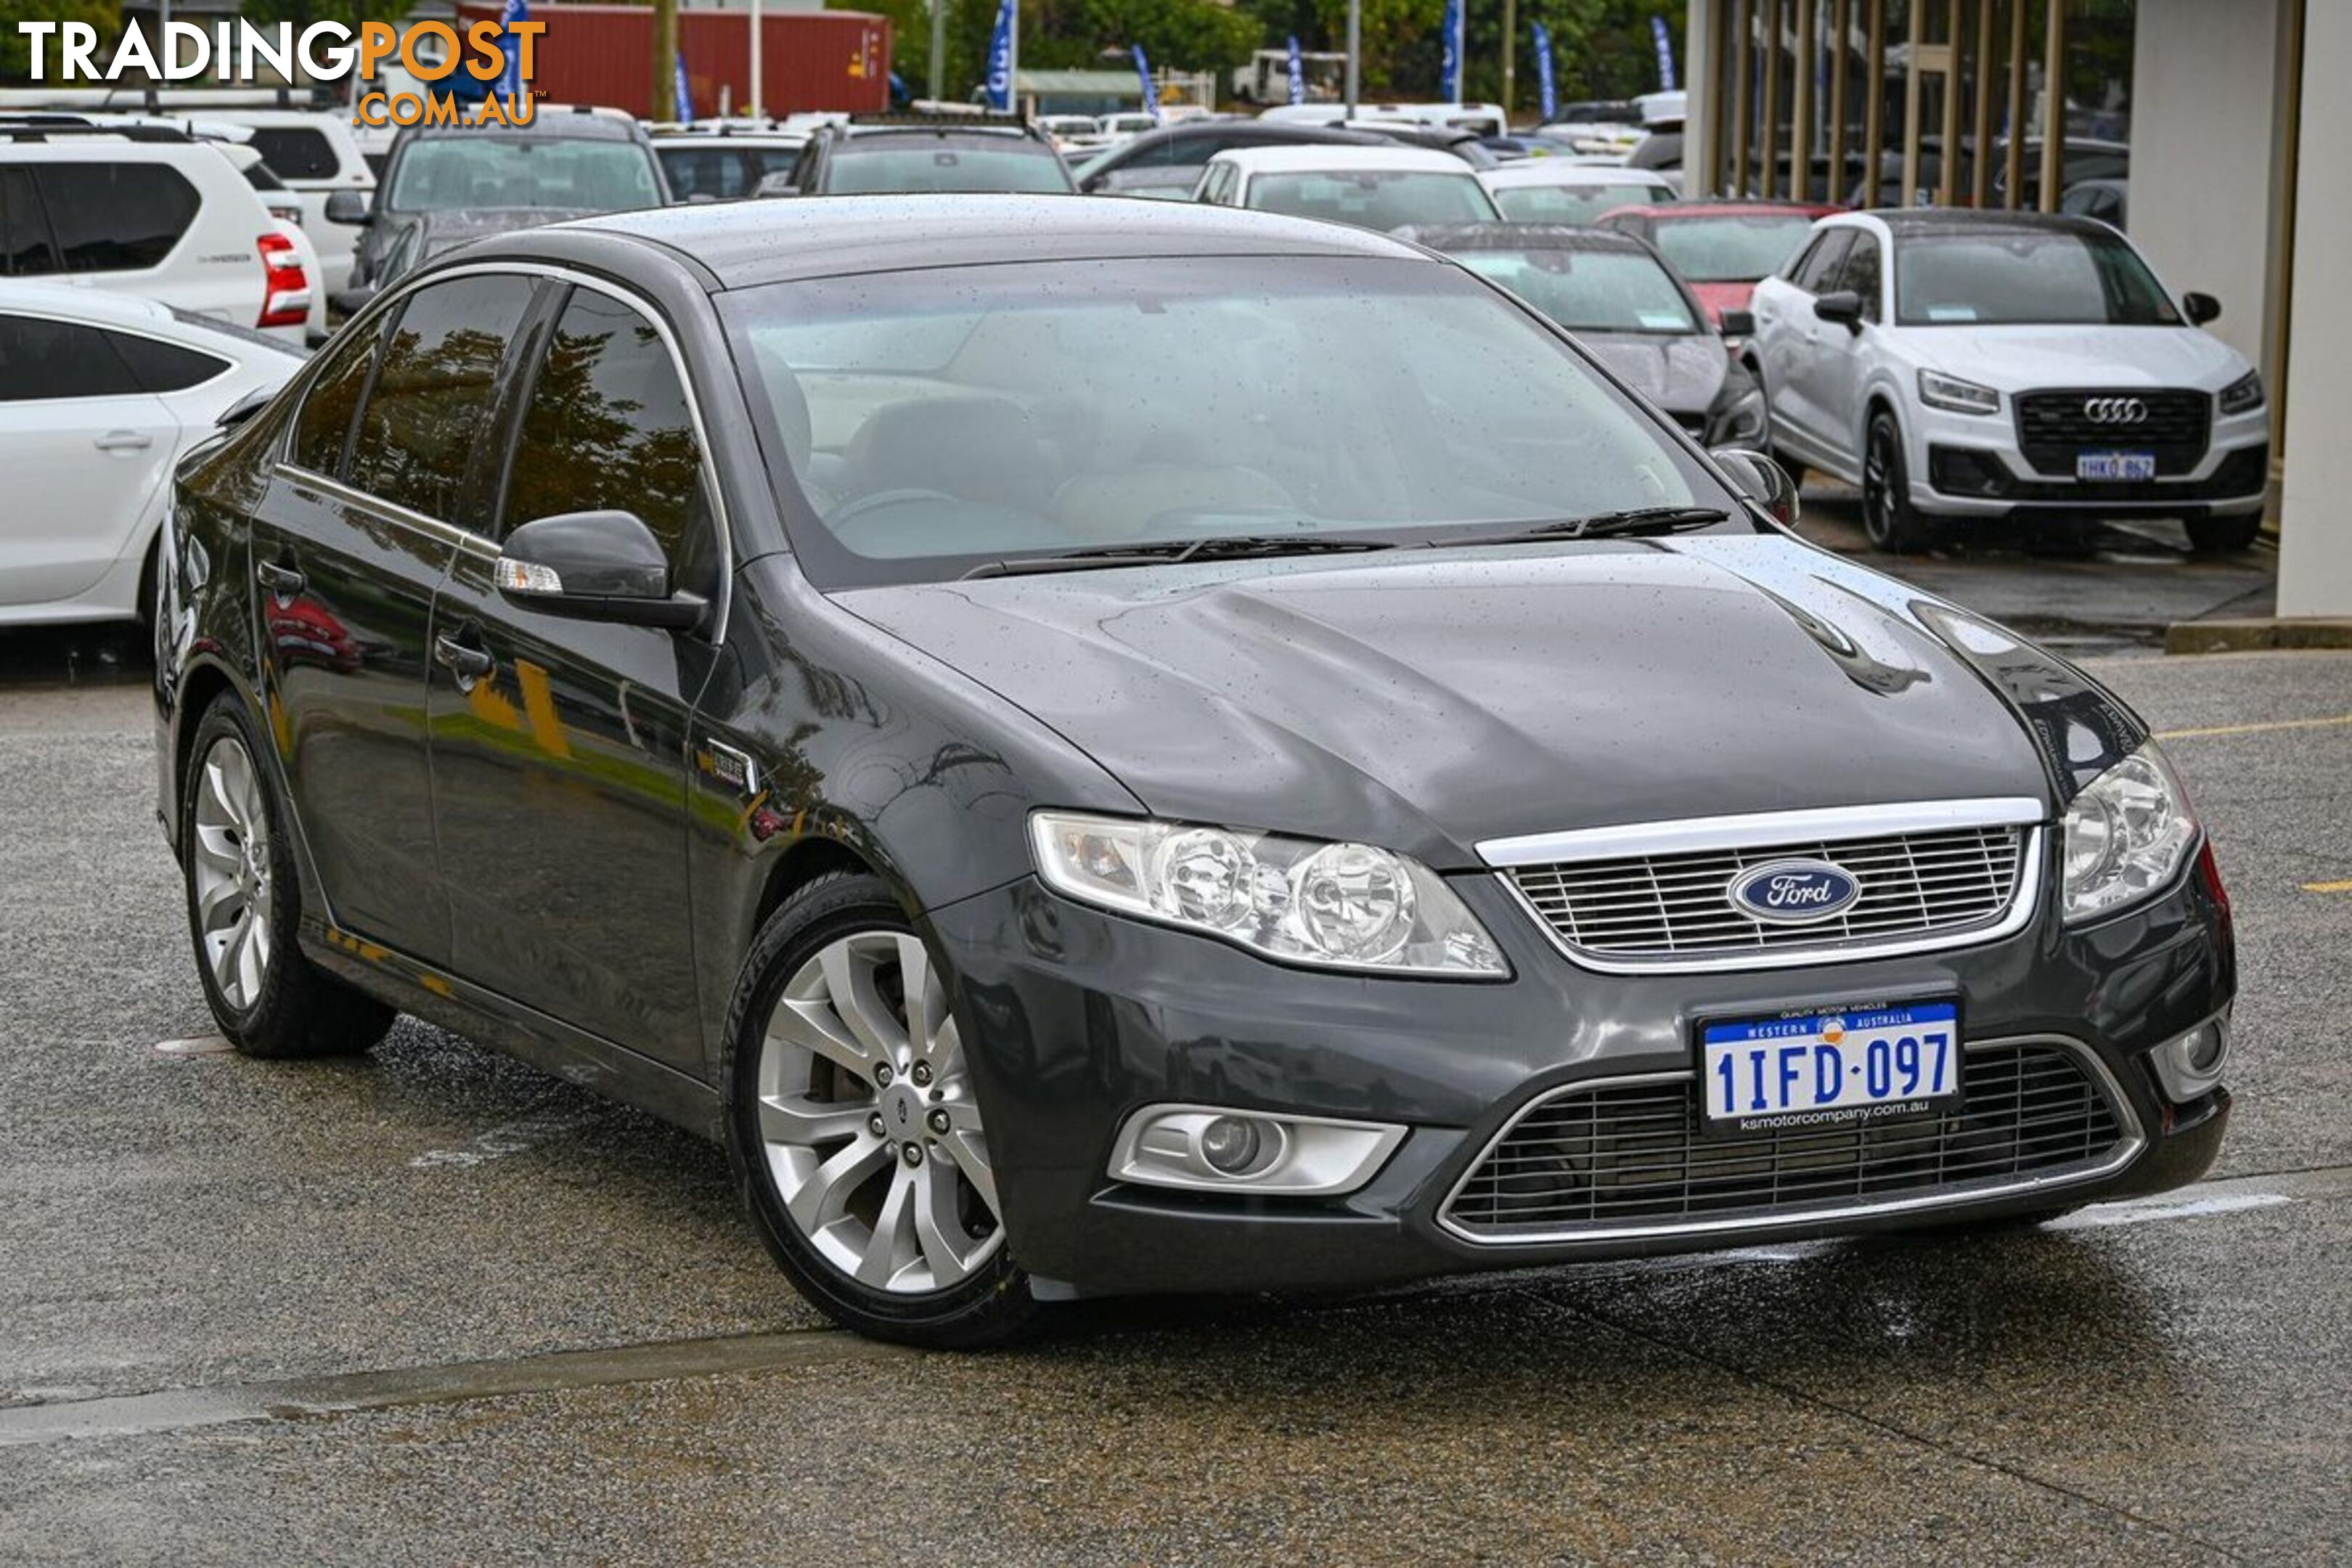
[1971,366]
[146,211]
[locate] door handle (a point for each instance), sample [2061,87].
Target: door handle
[284,582]
[467,665]
[124,441]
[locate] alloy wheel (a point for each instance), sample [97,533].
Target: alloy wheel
[867,1119]
[1877,494]
[229,859]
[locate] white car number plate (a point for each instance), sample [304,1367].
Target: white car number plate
[2115,466]
[1805,1070]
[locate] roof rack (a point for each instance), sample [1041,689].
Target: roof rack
[999,118]
[45,128]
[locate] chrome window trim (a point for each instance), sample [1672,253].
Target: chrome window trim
[1762,829]
[391,511]
[466,537]
[2022,902]
[2134,1140]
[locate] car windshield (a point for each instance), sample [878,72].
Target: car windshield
[1728,248]
[928,163]
[2026,277]
[1589,291]
[446,173]
[933,421]
[1569,204]
[1374,198]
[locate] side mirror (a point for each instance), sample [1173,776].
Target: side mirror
[2200,308]
[595,566]
[1738,324]
[1760,479]
[1842,306]
[244,408]
[701,199]
[1093,184]
[349,303]
[778,184]
[353,208]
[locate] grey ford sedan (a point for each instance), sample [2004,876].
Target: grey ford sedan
[1111,747]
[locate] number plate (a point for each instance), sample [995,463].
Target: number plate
[2115,466]
[1804,1070]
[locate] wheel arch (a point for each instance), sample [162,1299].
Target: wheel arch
[815,855]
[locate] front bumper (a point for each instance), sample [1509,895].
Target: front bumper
[1972,466]
[1079,1017]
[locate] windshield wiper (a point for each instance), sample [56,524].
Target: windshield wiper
[1614,524]
[1216,547]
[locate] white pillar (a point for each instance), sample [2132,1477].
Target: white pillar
[2315,517]
[2204,74]
[1701,75]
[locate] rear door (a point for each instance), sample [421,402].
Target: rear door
[85,450]
[559,747]
[378,488]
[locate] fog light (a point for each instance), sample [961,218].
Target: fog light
[2191,1063]
[1206,1148]
[1231,1144]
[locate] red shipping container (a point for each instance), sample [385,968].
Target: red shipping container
[603,55]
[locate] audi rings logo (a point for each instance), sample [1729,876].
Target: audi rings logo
[2115,411]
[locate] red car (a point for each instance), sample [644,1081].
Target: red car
[1721,248]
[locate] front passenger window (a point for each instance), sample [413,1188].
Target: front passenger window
[1821,264]
[433,393]
[1862,275]
[607,429]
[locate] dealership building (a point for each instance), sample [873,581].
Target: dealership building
[2233,117]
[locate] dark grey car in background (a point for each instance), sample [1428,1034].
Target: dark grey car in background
[883,691]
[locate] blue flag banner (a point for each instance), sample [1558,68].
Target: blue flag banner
[1000,57]
[1449,75]
[511,86]
[1143,74]
[1298,73]
[1544,83]
[1665,53]
[684,92]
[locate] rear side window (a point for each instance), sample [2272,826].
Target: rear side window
[607,427]
[115,217]
[323,428]
[165,367]
[42,359]
[297,152]
[24,234]
[433,392]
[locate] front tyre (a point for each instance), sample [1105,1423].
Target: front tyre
[1888,518]
[245,907]
[2223,535]
[855,1129]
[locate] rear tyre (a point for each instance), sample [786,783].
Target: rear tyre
[245,905]
[855,1130]
[1888,519]
[2222,535]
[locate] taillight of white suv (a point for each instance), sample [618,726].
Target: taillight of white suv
[286,284]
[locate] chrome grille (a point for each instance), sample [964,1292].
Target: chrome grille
[1665,907]
[1629,1157]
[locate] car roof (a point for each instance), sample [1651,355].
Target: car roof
[577,123]
[103,306]
[741,245]
[1725,207]
[1318,157]
[1523,237]
[1904,222]
[943,126]
[1560,172]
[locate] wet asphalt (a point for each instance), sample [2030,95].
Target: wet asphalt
[433,1307]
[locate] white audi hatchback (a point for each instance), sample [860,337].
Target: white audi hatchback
[1967,367]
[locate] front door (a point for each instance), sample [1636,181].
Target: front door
[349,546]
[559,745]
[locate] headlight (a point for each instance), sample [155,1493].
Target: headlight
[2125,835]
[1737,415]
[2244,394]
[1346,905]
[1950,393]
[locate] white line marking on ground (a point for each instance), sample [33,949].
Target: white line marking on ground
[2139,1211]
[507,1138]
[195,1045]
